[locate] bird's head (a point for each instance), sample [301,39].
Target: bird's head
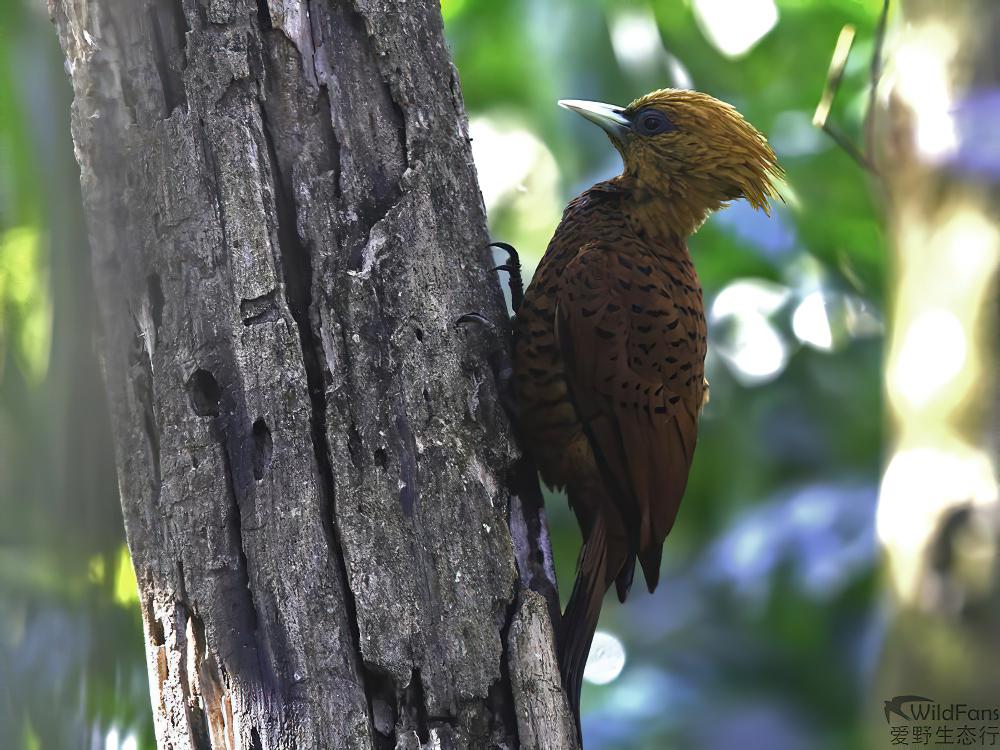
[689,148]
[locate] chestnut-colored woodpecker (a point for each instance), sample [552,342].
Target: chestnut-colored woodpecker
[610,340]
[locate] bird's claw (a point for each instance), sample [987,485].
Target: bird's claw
[513,268]
[474,317]
[503,372]
[500,361]
[509,249]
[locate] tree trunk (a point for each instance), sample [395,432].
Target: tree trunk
[937,515]
[285,224]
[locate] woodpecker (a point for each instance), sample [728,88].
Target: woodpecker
[609,341]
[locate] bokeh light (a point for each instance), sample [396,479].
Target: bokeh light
[747,340]
[735,26]
[606,659]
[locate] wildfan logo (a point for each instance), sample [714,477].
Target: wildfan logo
[895,706]
[927,722]
[927,709]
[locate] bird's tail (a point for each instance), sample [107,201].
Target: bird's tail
[579,621]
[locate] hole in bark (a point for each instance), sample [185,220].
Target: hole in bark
[411,701]
[264,16]
[155,626]
[200,735]
[155,292]
[380,457]
[255,739]
[204,393]
[263,448]
[419,334]
[198,630]
[383,716]
[328,158]
[261,309]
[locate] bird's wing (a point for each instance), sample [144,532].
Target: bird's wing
[634,366]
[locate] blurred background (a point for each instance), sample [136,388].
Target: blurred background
[767,625]
[771,625]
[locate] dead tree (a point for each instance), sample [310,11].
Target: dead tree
[285,224]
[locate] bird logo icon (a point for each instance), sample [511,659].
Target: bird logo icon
[895,706]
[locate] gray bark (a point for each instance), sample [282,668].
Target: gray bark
[285,223]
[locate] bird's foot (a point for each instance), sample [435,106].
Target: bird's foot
[500,361]
[513,268]
[477,318]
[500,364]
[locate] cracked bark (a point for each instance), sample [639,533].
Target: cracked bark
[313,464]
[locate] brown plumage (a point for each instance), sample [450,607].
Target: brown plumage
[609,343]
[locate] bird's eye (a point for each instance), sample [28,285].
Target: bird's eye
[653,122]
